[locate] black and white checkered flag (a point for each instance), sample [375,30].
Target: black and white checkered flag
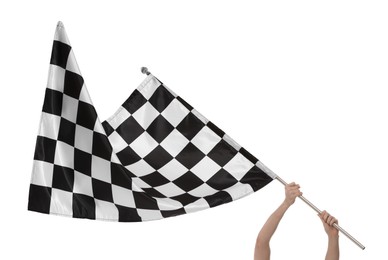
[154,158]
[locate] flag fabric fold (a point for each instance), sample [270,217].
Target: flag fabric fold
[154,158]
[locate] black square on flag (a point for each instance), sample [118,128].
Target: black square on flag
[53,102]
[107,127]
[39,198]
[190,156]
[154,193]
[66,132]
[86,115]
[143,201]
[128,156]
[127,214]
[60,53]
[63,178]
[82,162]
[190,126]
[121,176]
[101,146]
[134,102]
[83,206]
[222,153]
[161,98]
[218,198]
[158,157]
[155,179]
[185,198]
[256,178]
[188,181]
[221,180]
[130,136]
[160,128]
[45,149]
[102,190]
[73,84]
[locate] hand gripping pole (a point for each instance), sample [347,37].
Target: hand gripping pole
[319,212]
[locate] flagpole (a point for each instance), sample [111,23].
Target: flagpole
[319,212]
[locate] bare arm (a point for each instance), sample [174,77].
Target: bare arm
[332,234]
[262,248]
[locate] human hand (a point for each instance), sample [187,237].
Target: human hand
[328,223]
[292,191]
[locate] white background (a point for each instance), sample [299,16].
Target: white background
[302,85]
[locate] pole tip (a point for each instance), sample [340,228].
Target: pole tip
[144,70]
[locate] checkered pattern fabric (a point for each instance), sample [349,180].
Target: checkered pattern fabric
[154,158]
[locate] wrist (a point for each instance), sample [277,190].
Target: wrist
[333,237]
[287,203]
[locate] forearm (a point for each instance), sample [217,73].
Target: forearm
[272,223]
[262,248]
[333,248]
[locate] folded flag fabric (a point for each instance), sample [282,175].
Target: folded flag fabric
[154,158]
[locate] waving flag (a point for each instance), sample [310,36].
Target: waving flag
[154,158]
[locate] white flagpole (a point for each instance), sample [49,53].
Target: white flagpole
[319,212]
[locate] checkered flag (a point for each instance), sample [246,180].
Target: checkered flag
[155,157]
